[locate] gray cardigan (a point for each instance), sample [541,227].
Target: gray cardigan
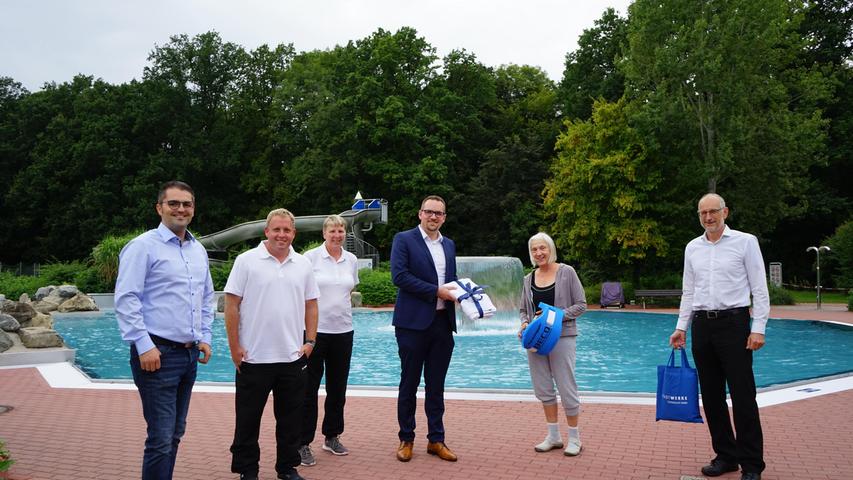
[568,295]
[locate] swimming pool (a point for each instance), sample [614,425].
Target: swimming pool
[617,352]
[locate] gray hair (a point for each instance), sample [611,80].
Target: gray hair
[281,212]
[715,196]
[542,237]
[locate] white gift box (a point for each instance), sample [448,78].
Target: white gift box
[474,301]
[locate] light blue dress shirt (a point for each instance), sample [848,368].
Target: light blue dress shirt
[164,288]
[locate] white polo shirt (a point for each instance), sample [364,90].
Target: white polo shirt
[272,310]
[336,279]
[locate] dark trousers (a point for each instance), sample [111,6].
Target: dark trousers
[253,385]
[719,349]
[428,352]
[333,353]
[165,395]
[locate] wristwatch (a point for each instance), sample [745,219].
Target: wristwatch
[313,343]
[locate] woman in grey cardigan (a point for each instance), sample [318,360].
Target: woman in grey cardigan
[558,285]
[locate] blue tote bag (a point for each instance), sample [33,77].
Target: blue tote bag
[678,391]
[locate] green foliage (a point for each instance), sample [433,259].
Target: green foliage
[841,256]
[752,113]
[13,285]
[105,257]
[376,287]
[219,272]
[591,71]
[5,457]
[850,302]
[779,296]
[601,195]
[61,272]
[87,280]
[593,293]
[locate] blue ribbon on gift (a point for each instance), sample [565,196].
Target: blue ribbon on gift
[474,293]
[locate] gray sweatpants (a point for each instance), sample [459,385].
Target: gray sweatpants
[558,366]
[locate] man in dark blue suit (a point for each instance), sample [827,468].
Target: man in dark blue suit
[422,261]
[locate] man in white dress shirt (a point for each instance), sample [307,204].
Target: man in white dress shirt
[722,267]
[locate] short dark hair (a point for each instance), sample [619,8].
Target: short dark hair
[434,197]
[173,184]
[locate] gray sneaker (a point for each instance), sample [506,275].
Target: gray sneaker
[306,456]
[335,446]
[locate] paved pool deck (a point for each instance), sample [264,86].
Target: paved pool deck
[62,426]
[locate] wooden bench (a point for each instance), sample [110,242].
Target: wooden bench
[656,293]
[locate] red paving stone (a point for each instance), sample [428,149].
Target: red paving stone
[98,434]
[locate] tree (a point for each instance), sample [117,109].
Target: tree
[603,193]
[592,70]
[756,128]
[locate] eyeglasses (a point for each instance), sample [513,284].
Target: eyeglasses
[433,213]
[175,204]
[714,211]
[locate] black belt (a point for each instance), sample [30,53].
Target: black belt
[170,343]
[712,314]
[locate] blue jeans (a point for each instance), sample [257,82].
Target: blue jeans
[165,395]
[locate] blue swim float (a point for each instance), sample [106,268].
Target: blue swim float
[542,333]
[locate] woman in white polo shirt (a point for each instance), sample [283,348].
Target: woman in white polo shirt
[336,272]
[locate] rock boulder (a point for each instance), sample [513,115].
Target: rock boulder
[22,312]
[47,304]
[39,337]
[24,298]
[78,303]
[8,323]
[5,341]
[43,292]
[68,291]
[40,320]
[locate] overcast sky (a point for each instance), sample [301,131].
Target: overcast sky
[53,40]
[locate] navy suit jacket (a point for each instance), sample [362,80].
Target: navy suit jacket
[413,272]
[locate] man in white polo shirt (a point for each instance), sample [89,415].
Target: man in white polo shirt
[271,322]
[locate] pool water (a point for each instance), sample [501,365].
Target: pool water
[617,352]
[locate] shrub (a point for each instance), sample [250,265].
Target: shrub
[105,257]
[5,457]
[841,256]
[61,273]
[219,272]
[88,280]
[592,292]
[376,287]
[13,285]
[779,296]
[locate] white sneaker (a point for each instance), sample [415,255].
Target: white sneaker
[548,444]
[573,448]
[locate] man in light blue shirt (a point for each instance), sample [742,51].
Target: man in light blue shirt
[164,306]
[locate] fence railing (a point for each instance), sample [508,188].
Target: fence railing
[20,268]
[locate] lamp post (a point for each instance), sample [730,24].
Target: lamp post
[817,251]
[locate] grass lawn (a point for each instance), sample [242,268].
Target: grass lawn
[810,296]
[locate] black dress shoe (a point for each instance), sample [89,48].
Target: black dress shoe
[718,467]
[750,476]
[290,476]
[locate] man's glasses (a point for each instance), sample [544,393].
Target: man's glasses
[715,211]
[175,204]
[433,213]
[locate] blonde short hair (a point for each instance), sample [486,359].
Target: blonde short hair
[281,212]
[542,237]
[334,221]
